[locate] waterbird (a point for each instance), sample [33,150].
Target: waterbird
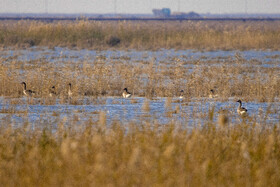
[28,93]
[181,94]
[241,110]
[212,94]
[126,94]
[70,93]
[52,91]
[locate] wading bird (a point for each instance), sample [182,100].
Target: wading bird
[181,94]
[28,93]
[241,110]
[52,91]
[126,94]
[70,93]
[212,94]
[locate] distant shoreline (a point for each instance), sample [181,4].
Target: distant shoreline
[66,18]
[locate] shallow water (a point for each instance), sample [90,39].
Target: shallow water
[193,112]
[190,114]
[58,54]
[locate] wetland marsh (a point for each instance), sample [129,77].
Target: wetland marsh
[95,137]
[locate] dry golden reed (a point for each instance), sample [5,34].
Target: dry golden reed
[146,106]
[102,118]
[207,35]
[229,79]
[168,103]
[140,155]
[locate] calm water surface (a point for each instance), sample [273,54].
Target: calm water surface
[59,54]
[190,114]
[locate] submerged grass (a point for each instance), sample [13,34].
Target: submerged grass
[208,35]
[94,154]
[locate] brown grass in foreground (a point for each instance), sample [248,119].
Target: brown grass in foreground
[139,155]
[142,35]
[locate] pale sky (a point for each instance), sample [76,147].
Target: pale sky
[138,6]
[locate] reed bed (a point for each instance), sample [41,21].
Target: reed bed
[210,35]
[95,154]
[87,148]
[232,77]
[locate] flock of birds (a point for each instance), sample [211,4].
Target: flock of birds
[52,92]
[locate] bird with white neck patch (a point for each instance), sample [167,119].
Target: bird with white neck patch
[26,92]
[241,110]
[126,94]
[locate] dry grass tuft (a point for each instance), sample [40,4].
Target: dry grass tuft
[102,118]
[146,106]
[168,103]
[145,155]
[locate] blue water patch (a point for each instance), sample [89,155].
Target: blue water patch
[59,54]
[194,112]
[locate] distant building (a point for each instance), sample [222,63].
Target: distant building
[165,12]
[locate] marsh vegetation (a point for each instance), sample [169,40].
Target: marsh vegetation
[94,137]
[210,35]
[158,75]
[96,155]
